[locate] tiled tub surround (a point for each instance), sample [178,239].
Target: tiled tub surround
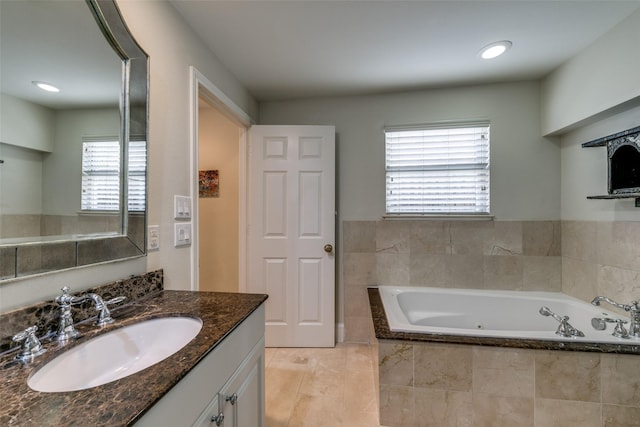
[437,380]
[124,401]
[510,255]
[601,258]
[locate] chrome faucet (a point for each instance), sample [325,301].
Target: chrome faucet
[633,309]
[31,346]
[565,329]
[66,327]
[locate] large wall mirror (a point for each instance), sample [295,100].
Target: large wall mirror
[73,158]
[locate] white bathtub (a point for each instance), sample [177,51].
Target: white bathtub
[499,314]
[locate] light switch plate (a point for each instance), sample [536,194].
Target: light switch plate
[153,243]
[182,235]
[181,207]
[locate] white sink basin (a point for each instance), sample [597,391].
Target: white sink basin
[116,354]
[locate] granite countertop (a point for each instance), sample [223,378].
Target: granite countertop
[124,401]
[383,332]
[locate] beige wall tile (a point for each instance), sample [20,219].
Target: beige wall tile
[356,301]
[619,244]
[620,416]
[429,237]
[503,372]
[492,411]
[562,413]
[359,236]
[392,268]
[464,271]
[395,363]
[579,278]
[503,272]
[359,269]
[568,375]
[541,238]
[440,408]
[507,238]
[579,240]
[621,379]
[621,285]
[470,237]
[396,406]
[443,367]
[427,270]
[357,329]
[542,273]
[393,237]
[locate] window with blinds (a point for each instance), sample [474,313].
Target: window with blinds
[438,169]
[101,175]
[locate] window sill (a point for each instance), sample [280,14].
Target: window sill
[450,217]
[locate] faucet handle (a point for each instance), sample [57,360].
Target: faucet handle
[620,331]
[31,346]
[66,300]
[104,315]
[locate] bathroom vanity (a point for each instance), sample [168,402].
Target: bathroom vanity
[218,377]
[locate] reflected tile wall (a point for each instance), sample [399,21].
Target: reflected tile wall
[431,384]
[517,255]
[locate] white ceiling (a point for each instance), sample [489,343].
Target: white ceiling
[296,49]
[57,42]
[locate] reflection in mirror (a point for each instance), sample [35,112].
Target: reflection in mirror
[73,162]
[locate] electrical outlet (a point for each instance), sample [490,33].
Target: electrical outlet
[153,242]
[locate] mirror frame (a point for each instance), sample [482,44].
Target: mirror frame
[134,100]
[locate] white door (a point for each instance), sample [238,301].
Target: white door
[292,232]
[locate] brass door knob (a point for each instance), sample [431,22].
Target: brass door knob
[328,248]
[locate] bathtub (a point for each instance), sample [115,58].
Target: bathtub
[493,314]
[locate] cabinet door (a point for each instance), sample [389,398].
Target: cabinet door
[213,410]
[244,394]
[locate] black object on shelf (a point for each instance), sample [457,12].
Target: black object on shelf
[623,156]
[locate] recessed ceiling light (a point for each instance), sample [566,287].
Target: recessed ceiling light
[46,86]
[494,50]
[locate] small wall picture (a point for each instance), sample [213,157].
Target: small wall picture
[209,183]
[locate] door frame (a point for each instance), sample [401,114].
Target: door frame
[201,87]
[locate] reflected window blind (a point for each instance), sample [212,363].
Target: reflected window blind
[438,170]
[101,175]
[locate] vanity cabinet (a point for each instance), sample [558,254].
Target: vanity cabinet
[240,402]
[228,382]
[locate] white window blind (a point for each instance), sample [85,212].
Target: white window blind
[438,170]
[101,175]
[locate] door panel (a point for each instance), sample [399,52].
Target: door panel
[292,218]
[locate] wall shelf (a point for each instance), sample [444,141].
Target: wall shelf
[623,155]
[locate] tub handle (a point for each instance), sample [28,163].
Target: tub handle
[564,329]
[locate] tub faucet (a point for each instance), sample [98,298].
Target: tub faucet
[66,327]
[633,309]
[565,329]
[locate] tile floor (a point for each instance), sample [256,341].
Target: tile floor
[323,387]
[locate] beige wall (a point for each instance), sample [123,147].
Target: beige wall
[218,216]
